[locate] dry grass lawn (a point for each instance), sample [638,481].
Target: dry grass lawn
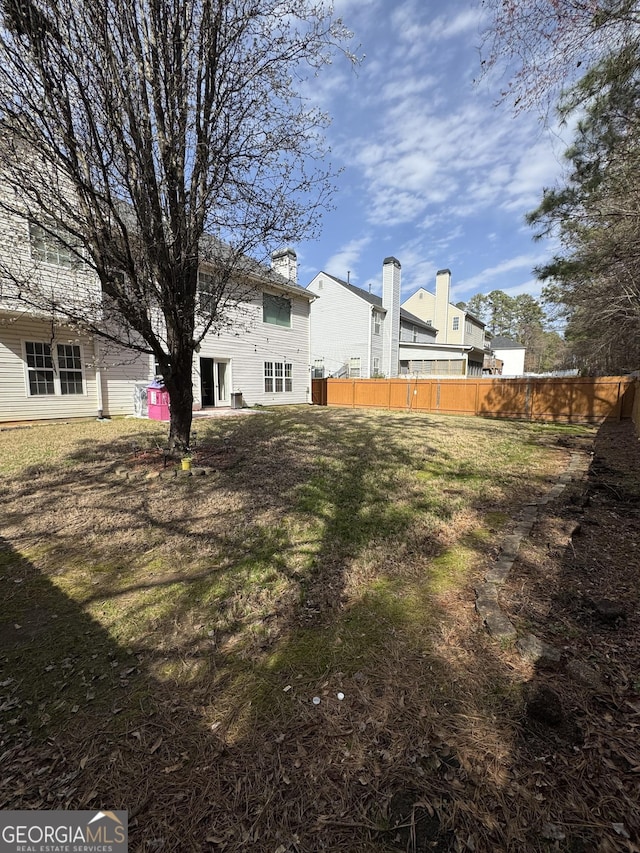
[282,655]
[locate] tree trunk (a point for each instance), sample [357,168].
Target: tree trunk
[180,387]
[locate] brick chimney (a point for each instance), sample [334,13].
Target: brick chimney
[285,263]
[391,302]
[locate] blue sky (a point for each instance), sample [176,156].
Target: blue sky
[434,173]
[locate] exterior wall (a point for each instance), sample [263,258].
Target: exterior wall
[108,376]
[473,332]
[409,333]
[47,281]
[512,361]
[15,401]
[247,342]
[342,327]
[439,311]
[121,370]
[423,305]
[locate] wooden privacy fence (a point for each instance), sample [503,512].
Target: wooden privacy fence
[570,400]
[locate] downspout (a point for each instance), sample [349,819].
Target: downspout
[98,377]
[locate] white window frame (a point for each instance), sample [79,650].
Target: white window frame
[355,371]
[455,326]
[206,293]
[278,377]
[59,368]
[318,368]
[282,301]
[48,248]
[376,365]
[377,323]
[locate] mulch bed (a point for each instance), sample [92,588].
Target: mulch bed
[576,586]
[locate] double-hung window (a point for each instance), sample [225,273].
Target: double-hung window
[53,370]
[206,294]
[278,377]
[456,324]
[354,368]
[51,245]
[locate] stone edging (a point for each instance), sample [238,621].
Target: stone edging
[487,606]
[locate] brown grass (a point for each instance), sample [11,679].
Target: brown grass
[164,639]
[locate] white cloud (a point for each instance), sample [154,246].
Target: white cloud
[344,262]
[488,279]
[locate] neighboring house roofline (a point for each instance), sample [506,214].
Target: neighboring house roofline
[411,318]
[502,342]
[371,298]
[376,301]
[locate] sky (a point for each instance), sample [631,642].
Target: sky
[434,173]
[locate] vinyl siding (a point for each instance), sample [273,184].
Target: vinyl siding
[15,401]
[340,327]
[120,369]
[422,304]
[247,342]
[75,285]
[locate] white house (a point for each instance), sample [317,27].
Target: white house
[358,334]
[51,370]
[510,353]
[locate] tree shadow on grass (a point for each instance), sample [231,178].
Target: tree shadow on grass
[183,689]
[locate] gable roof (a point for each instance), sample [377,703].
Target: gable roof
[502,342]
[376,301]
[244,264]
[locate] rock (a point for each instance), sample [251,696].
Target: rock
[585,674]
[544,706]
[537,651]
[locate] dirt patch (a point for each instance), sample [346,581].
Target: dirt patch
[575,585]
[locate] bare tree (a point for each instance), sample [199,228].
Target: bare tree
[144,137]
[540,47]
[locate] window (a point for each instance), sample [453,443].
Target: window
[276,310]
[376,366]
[48,245]
[278,377]
[70,368]
[376,323]
[318,368]
[39,369]
[354,368]
[206,289]
[456,324]
[414,334]
[468,328]
[46,377]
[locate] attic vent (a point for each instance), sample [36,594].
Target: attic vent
[420,296]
